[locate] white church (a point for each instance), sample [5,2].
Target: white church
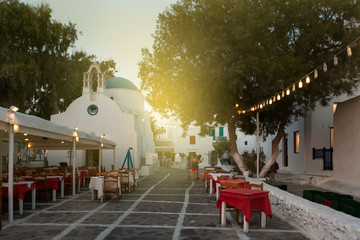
[113,109]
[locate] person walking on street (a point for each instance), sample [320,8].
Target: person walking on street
[195,167]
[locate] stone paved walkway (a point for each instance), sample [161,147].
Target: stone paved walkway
[164,206]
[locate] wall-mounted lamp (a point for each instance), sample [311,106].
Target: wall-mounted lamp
[16,128]
[334,107]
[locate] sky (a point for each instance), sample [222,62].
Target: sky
[111,29]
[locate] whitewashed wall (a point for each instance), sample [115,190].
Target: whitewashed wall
[347,140]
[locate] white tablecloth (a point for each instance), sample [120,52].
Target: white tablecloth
[216,175]
[97,183]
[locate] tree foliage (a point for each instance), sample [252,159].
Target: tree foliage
[210,55]
[40,72]
[155,128]
[222,146]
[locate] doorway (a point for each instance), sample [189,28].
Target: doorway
[285,152]
[92,158]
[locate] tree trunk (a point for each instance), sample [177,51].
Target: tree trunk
[274,149]
[233,147]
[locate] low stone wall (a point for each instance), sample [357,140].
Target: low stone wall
[314,220]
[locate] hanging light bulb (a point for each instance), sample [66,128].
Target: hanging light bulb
[287,91]
[348,49]
[283,94]
[325,67]
[293,88]
[270,102]
[307,79]
[278,97]
[274,99]
[236,105]
[316,74]
[261,106]
[238,112]
[335,60]
[300,84]
[267,101]
[244,111]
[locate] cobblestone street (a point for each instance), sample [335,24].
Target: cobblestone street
[164,206]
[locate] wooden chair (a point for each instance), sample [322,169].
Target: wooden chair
[102,174]
[242,178]
[125,180]
[228,207]
[41,186]
[255,186]
[111,186]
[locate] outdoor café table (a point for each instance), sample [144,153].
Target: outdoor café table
[81,176]
[52,182]
[19,190]
[214,176]
[97,183]
[246,200]
[82,173]
[240,184]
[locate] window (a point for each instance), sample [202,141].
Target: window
[212,133]
[245,143]
[221,131]
[332,137]
[92,109]
[296,142]
[192,139]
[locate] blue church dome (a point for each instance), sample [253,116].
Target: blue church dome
[120,82]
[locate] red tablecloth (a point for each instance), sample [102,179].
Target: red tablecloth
[246,200]
[51,183]
[19,190]
[210,176]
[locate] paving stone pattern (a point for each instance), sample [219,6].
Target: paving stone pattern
[164,206]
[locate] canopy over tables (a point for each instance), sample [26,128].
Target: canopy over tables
[43,134]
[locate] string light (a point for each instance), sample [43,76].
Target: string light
[300,84]
[236,105]
[307,79]
[348,50]
[316,74]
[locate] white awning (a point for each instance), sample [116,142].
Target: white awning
[43,134]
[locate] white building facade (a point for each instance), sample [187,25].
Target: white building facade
[172,140]
[311,145]
[113,109]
